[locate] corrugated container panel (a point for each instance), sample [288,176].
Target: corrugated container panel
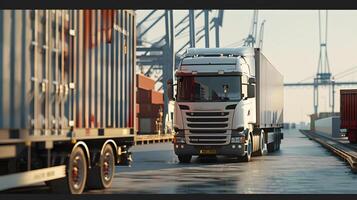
[145,82]
[62,68]
[348,108]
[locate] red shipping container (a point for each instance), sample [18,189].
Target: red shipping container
[150,110]
[157,97]
[144,82]
[143,96]
[348,113]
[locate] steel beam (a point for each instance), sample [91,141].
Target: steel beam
[206,27]
[320,84]
[192,28]
[169,59]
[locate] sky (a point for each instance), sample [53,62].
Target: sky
[291,43]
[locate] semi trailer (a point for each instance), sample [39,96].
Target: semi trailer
[348,113]
[66,97]
[228,101]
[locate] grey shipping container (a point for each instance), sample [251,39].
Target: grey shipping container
[66,80]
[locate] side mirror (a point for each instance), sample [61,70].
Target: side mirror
[251,91]
[251,81]
[170,90]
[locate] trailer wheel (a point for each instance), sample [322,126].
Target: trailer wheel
[102,174]
[76,174]
[184,158]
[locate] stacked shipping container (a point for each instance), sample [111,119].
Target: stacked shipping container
[149,106]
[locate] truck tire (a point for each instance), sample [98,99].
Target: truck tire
[278,145]
[271,147]
[101,175]
[260,151]
[248,155]
[76,174]
[184,158]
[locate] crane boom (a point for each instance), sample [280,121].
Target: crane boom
[261,35]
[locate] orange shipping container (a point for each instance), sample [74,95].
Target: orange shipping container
[157,97]
[144,82]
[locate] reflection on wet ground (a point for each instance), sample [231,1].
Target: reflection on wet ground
[302,166]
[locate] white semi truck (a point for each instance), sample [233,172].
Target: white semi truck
[228,101]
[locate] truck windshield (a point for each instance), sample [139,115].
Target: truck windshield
[208,88]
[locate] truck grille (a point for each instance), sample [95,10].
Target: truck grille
[207,119]
[207,128]
[207,113]
[208,131]
[207,125]
[208,139]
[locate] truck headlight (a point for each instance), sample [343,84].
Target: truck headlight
[179,140]
[236,140]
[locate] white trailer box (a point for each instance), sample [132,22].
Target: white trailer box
[270,93]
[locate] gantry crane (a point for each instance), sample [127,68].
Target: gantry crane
[251,39]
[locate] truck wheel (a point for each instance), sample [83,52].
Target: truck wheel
[76,174]
[278,145]
[271,147]
[248,155]
[260,151]
[102,174]
[184,158]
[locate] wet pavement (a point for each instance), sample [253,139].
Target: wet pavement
[301,166]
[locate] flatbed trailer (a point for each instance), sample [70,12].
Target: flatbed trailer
[66,97]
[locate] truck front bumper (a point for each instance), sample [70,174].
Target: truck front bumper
[227,150]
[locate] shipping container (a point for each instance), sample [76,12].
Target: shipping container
[150,110]
[149,97]
[348,113]
[143,96]
[67,85]
[149,125]
[329,126]
[145,82]
[157,97]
